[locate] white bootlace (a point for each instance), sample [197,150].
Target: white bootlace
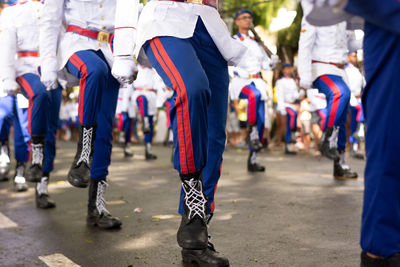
[4,158]
[194,198]
[19,176]
[334,138]
[100,201]
[37,154]
[41,187]
[86,146]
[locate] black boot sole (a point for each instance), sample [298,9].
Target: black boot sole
[189,257]
[107,226]
[345,178]
[34,179]
[77,182]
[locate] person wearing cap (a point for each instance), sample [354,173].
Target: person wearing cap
[322,57]
[84,55]
[380,224]
[19,68]
[247,83]
[190,47]
[356,84]
[288,96]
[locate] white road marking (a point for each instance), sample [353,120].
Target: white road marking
[57,260]
[6,222]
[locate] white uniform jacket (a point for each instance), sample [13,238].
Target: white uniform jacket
[19,33]
[254,60]
[323,44]
[168,18]
[287,93]
[356,83]
[96,15]
[148,83]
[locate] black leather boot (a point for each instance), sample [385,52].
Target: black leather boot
[341,170]
[43,200]
[328,143]
[354,152]
[128,151]
[392,261]
[148,154]
[4,161]
[35,170]
[253,138]
[288,150]
[20,184]
[252,164]
[79,173]
[98,215]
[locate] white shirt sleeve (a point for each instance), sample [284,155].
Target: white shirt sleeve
[306,43]
[8,44]
[126,17]
[49,31]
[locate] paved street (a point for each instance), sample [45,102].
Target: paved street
[295,214]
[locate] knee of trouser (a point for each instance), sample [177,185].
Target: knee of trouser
[199,89]
[257,94]
[42,95]
[98,72]
[345,95]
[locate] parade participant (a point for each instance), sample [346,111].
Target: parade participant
[126,111]
[147,84]
[84,52]
[19,37]
[356,84]
[380,226]
[14,111]
[321,65]
[247,83]
[190,47]
[318,113]
[287,94]
[166,99]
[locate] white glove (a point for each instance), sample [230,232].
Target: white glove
[124,69]
[49,79]
[274,61]
[306,84]
[10,86]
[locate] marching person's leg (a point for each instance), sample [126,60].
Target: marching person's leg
[6,117]
[256,122]
[291,126]
[127,129]
[92,72]
[148,138]
[39,104]
[337,96]
[98,215]
[21,147]
[42,196]
[143,104]
[357,119]
[177,62]
[340,169]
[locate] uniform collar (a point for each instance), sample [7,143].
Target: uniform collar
[242,37]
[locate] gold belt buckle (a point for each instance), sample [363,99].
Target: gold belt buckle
[199,2]
[103,37]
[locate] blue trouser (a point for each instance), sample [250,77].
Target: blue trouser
[143,105]
[380,227]
[168,104]
[126,126]
[98,95]
[357,116]
[255,108]
[43,114]
[337,97]
[198,73]
[9,114]
[291,124]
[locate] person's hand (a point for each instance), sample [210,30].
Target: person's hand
[49,79]
[124,69]
[274,61]
[10,86]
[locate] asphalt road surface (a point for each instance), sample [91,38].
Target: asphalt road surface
[294,214]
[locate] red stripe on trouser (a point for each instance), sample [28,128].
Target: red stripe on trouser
[81,66]
[141,106]
[182,107]
[336,99]
[292,116]
[359,110]
[252,105]
[25,85]
[120,121]
[323,119]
